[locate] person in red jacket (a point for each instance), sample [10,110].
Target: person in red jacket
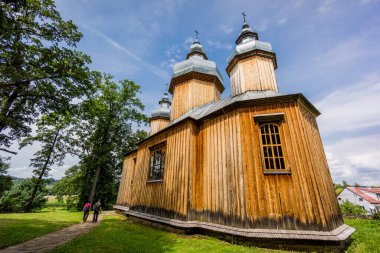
[86,210]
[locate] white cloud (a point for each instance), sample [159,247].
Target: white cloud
[355,159]
[282,21]
[216,44]
[262,25]
[169,63]
[368,1]
[157,71]
[226,29]
[348,115]
[325,6]
[352,108]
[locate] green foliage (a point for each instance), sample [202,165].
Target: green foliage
[376,216]
[350,208]
[17,198]
[72,202]
[105,134]
[5,184]
[40,69]
[18,227]
[70,184]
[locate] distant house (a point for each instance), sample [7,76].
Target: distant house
[366,197]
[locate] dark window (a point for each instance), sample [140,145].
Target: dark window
[271,147]
[157,162]
[339,199]
[360,199]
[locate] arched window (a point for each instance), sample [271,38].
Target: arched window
[273,157]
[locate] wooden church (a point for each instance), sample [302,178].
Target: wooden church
[250,166]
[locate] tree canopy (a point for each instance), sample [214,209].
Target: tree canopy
[40,69]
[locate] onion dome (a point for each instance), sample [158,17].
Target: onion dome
[196,62]
[248,41]
[164,110]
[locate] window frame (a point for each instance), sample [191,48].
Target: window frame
[276,119]
[160,146]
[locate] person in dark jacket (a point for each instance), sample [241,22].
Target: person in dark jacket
[97,209]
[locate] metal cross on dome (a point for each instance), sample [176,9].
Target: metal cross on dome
[243,15]
[196,34]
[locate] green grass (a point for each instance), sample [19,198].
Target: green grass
[366,239]
[18,227]
[116,234]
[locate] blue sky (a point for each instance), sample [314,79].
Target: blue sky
[328,50]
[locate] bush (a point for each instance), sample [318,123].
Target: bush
[376,216]
[72,202]
[16,199]
[349,208]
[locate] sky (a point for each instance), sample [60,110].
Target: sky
[328,50]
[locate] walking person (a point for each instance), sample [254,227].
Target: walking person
[97,208]
[86,211]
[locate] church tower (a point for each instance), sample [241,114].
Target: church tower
[160,117]
[195,81]
[252,64]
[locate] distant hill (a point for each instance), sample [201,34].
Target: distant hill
[50,181]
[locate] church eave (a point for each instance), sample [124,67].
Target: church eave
[255,52]
[298,97]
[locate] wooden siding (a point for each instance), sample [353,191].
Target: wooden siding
[191,94]
[253,73]
[169,197]
[214,173]
[158,124]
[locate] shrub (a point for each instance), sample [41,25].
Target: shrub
[350,208]
[376,216]
[72,202]
[16,199]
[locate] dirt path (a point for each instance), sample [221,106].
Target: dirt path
[50,241]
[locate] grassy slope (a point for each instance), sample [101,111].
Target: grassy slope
[117,235]
[19,227]
[366,239]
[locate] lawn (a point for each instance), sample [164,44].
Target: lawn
[19,227]
[366,239]
[117,234]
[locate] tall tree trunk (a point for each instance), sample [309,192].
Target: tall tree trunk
[94,185]
[29,205]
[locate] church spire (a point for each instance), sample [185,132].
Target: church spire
[246,33]
[196,49]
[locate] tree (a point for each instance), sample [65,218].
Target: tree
[17,198]
[70,184]
[40,69]
[53,133]
[5,181]
[107,134]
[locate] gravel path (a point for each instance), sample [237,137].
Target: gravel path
[50,241]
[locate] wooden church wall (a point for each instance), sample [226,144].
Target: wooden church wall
[126,181]
[230,186]
[169,197]
[214,173]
